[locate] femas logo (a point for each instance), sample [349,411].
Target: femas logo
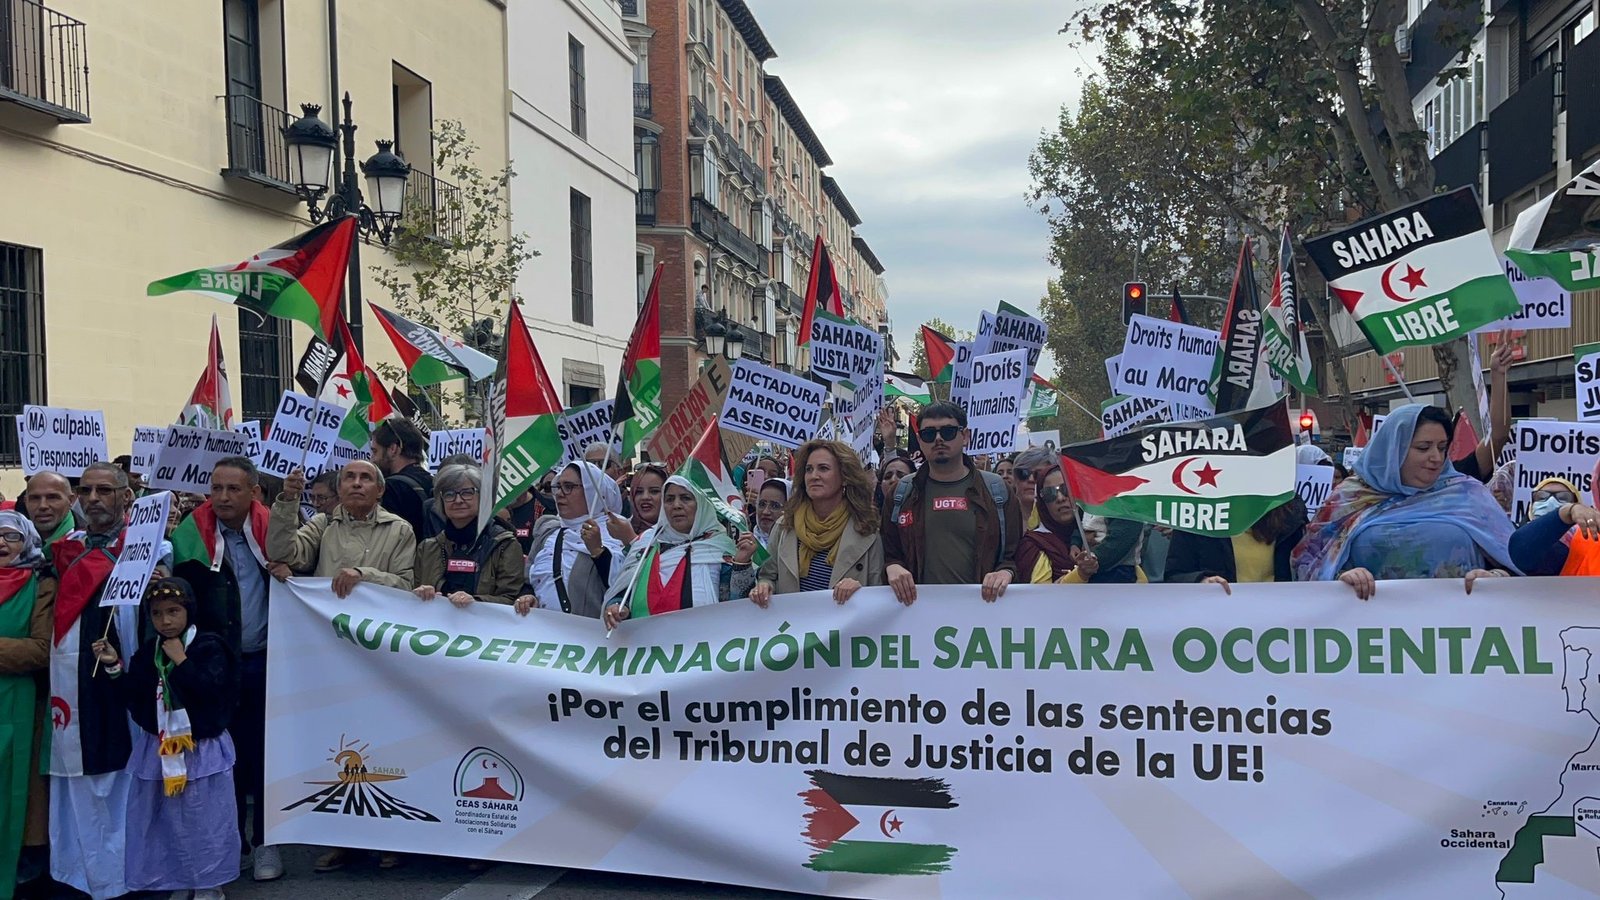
[356,792]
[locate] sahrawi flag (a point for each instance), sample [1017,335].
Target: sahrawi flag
[358,389]
[429,356]
[211,402]
[904,384]
[1213,477]
[1240,378]
[1419,275]
[301,279]
[877,826]
[1559,237]
[1042,398]
[524,440]
[1283,342]
[637,409]
[822,291]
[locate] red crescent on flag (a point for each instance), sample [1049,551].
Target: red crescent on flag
[883,824]
[1177,477]
[1383,281]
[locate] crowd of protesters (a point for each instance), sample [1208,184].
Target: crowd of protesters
[132,739]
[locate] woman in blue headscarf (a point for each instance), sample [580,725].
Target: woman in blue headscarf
[1406,513]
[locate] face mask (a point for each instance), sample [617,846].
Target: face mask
[1545,505]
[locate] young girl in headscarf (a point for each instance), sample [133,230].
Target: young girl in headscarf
[575,557]
[27,604]
[180,688]
[688,559]
[1406,513]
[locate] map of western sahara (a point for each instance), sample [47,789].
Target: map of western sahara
[1559,848]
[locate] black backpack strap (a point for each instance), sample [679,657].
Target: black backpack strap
[561,581]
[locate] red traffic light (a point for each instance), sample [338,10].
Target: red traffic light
[1306,421]
[1132,300]
[1135,290]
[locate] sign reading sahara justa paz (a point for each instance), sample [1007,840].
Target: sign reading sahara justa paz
[57,439]
[1550,449]
[584,425]
[1132,743]
[842,350]
[1421,274]
[770,405]
[1586,373]
[1215,476]
[1014,329]
[1167,361]
[141,550]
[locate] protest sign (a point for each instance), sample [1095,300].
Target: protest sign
[57,439]
[584,425]
[1155,746]
[866,405]
[686,421]
[1121,413]
[147,441]
[1586,374]
[302,435]
[449,442]
[1545,303]
[843,350]
[1167,361]
[1049,440]
[141,550]
[253,430]
[1313,484]
[1016,330]
[999,386]
[984,336]
[1548,449]
[1350,456]
[1113,366]
[961,372]
[767,404]
[188,455]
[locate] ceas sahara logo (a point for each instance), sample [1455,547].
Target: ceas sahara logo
[355,792]
[485,775]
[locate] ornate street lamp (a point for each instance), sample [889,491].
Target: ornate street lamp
[311,144]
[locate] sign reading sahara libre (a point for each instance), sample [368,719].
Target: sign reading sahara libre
[876,750]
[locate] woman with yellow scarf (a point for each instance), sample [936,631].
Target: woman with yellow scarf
[828,538]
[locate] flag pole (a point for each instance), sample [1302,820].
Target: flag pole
[305,451]
[1397,377]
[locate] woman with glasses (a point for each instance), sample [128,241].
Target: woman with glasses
[828,538]
[575,557]
[1027,473]
[27,603]
[1563,537]
[770,500]
[461,562]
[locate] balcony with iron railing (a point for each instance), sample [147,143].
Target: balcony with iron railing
[642,105]
[257,150]
[699,119]
[785,299]
[757,346]
[44,61]
[434,206]
[710,223]
[644,207]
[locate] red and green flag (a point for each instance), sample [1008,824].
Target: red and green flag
[211,402]
[301,279]
[940,350]
[1214,477]
[822,291]
[1240,378]
[1557,238]
[637,409]
[359,390]
[429,356]
[198,537]
[878,826]
[524,441]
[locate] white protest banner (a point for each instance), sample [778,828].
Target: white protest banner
[1545,303]
[767,404]
[141,550]
[251,428]
[1113,367]
[1586,375]
[344,451]
[189,454]
[1313,484]
[1014,329]
[843,350]
[302,434]
[1050,440]
[877,750]
[449,442]
[1548,449]
[983,337]
[147,441]
[57,439]
[961,372]
[1119,414]
[1350,457]
[1167,361]
[584,425]
[866,404]
[999,388]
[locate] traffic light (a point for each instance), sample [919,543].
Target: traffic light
[1306,421]
[1133,300]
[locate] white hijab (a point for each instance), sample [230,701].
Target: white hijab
[604,497]
[707,536]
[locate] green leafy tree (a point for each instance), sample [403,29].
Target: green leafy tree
[919,353]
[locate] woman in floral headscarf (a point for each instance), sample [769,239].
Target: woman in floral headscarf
[1406,513]
[27,604]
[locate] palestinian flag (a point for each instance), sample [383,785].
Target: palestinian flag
[210,404]
[523,440]
[637,409]
[1422,274]
[198,537]
[903,384]
[301,279]
[822,291]
[1559,237]
[1176,312]
[1240,379]
[940,351]
[1213,477]
[431,357]
[877,826]
[1042,399]
[707,469]
[1283,340]
[358,389]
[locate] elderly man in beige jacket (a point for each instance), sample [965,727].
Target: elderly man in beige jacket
[359,541]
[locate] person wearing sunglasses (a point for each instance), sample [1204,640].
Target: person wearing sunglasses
[463,563]
[949,523]
[575,557]
[1053,552]
[1031,465]
[1564,536]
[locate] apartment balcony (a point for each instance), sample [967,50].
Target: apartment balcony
[1460,164]
[699,119]
[644,207]
[757,346]
[785,299]
[711,224]
[44,61]
[1583,118]
[433,206]
[642,106]
[257,150]
[1522,136]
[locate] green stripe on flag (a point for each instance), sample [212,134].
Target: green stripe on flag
[883,858]
[1574,270]
[1435,319]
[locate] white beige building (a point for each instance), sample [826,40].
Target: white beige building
[134,147]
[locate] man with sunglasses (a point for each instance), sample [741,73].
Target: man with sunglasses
[949,523]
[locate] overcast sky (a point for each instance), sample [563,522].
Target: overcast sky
[929,109]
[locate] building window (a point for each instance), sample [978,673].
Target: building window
[580,120]
[21,338]
[411,102]
[581,395]
[263,364]
[582,261]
